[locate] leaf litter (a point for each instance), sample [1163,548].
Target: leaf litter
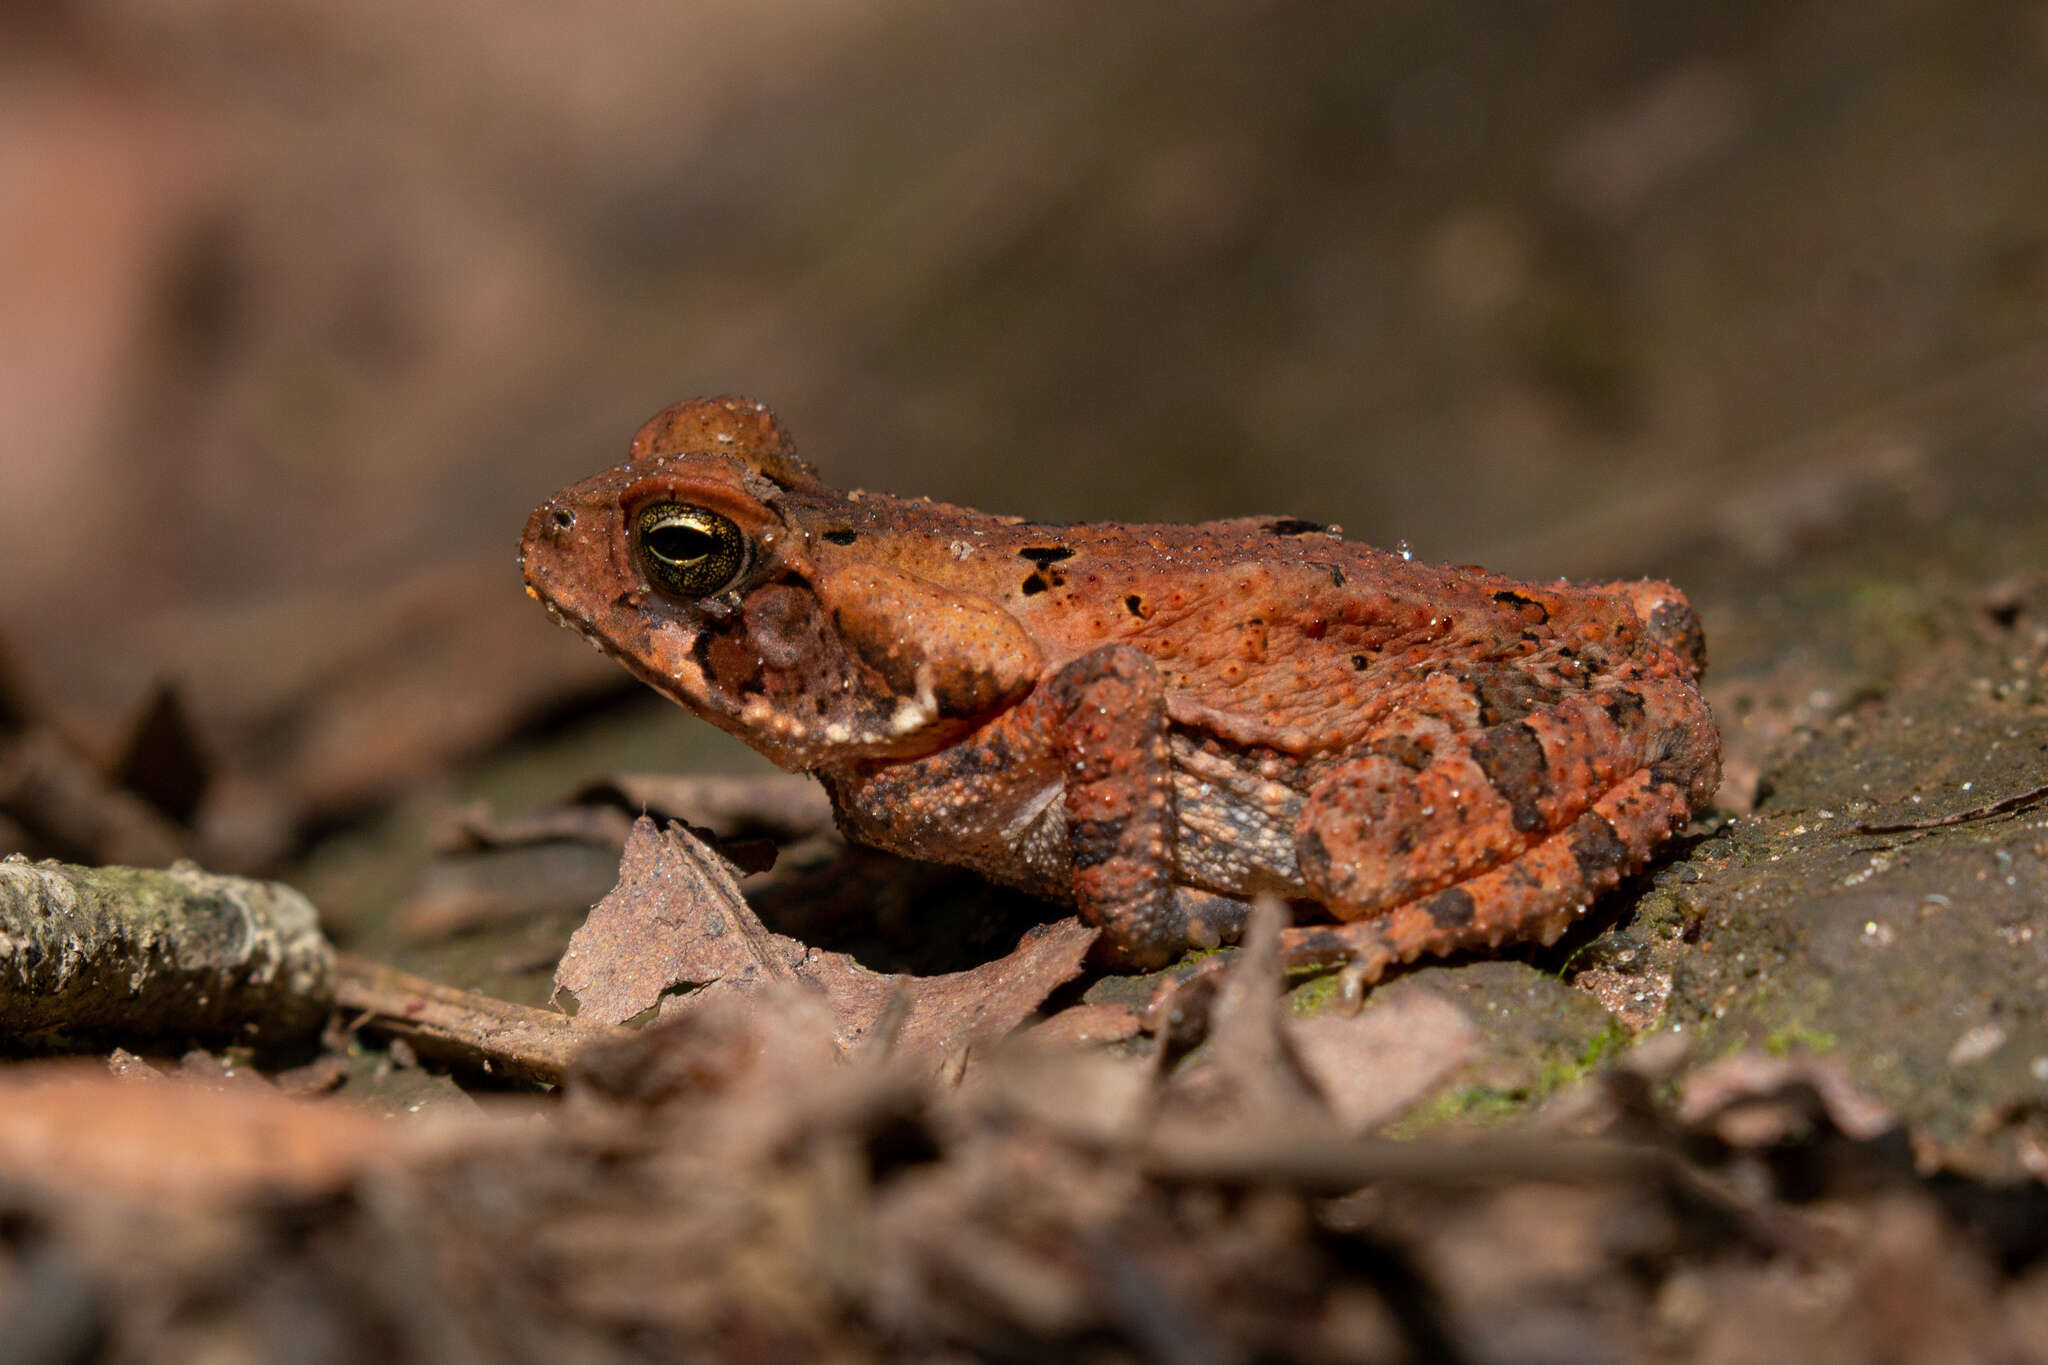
[802,1158]
[734,1182]
[678,918]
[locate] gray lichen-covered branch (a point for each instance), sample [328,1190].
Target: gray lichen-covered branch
[123,952]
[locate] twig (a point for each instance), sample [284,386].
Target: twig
[460,1026]
[2003,806]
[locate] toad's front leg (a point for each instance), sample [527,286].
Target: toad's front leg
[1068,794]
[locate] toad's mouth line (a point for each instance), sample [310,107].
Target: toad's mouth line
[667,685]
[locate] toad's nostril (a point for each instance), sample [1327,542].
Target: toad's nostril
[563,518]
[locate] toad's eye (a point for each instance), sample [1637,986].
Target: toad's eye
[688,551]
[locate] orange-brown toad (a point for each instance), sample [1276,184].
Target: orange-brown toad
[1153,723]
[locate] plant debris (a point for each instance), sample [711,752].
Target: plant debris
[730,1183]
[462,1028]
[677,918]
[131,954]
[2010,805]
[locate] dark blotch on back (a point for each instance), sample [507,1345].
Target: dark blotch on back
[1044,575]
[1508,598]
[1505,693]
[1451,909]
[1513,762]
[842,536]
[1624,706]
[1599,850]
[1295,526]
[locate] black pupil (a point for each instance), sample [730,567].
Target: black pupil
[680,544]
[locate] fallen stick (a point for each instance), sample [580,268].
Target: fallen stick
[2019,801]
[448,1025]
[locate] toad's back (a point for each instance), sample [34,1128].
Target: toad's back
[1273,626]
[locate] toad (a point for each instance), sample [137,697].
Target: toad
[1151,723]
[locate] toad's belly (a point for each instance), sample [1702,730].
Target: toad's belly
[1236,828]
[1234,834]
[1234,831]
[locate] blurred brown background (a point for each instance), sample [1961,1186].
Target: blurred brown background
[304,305]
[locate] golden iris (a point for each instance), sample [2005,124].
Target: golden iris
[689,551]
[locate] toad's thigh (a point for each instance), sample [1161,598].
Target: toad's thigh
[1378,832]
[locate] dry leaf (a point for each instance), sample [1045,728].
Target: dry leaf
[1372,1065]
[677,918]
[1753,1100]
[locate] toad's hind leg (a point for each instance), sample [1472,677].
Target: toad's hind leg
[1538,895]
[1538,891]
[1379,831]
